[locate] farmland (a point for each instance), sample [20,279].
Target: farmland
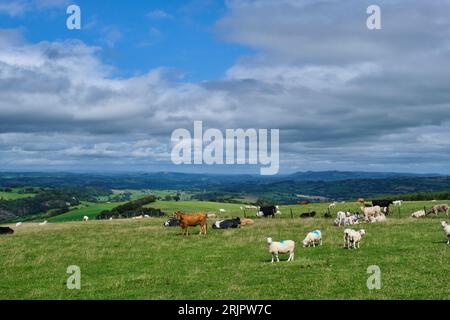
[139,259]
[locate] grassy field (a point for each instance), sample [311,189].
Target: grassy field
[85,209]
[14,195]
[139,259]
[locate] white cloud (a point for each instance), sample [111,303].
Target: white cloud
[159,14]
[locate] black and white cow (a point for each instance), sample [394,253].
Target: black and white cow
[267,211]
[6,230]
[172,222]
[226,224]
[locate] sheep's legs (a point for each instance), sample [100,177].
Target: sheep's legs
[273,258]
[278,260]
[320,241]
[291,257]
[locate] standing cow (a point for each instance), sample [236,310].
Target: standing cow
[190,220]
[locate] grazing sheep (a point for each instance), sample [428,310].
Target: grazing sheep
[18,224]
[446,228]
[332,205]
[398,202]
[370,211]
[439,208]
[211,215]
[85,218]
[146,216]
[340,218]
[346,236]
[418,214]
[43,223]
[281,247]
[312,238]
[222,210]
[138,217]
[354,238]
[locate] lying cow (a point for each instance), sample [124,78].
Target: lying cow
[227,224]
[6,230]
[308,215]
[172,222]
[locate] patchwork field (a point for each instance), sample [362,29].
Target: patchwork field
[14,194]
[139,259]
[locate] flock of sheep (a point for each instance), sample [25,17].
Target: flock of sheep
[352,238]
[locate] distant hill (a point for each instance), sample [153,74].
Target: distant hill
[282,188]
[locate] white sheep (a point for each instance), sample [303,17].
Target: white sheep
[18,224]
[354,238]
[85,218]
[398,203]
[446,228]
[379,218]
[312,238]
[222,210]
[285,246]
[332,205]
[418,214]
[147,216]
[340,218]
[371,211]
[43,223]
[346,236]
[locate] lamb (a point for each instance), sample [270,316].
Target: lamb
[284,246]
[18,224]
[346,236]
[43,223]
[312,238]
[340,218]
[222,210]
[446,228]
[418,214]
[85,218]
[332,205]
[354,238]
[398,203]
[211,215]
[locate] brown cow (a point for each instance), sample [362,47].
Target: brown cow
[247,222]
[194,219]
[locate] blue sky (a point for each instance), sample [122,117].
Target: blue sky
[137,36]
[109,96]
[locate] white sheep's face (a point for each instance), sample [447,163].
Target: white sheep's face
[362,232]
[269,240]
[305,243]
[443,223]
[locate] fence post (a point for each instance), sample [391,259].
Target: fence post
[292,214]
[245,213]
[399,212]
